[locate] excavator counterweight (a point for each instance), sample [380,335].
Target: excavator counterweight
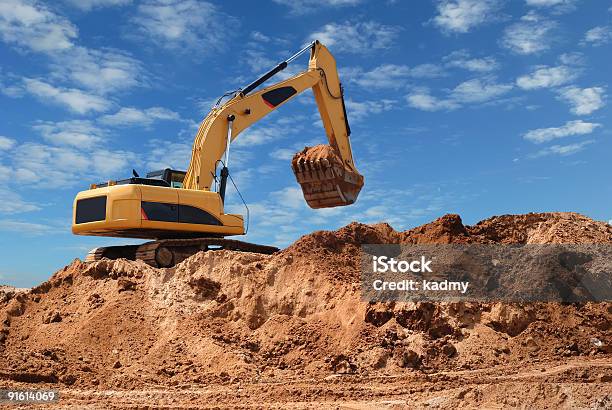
[182,213]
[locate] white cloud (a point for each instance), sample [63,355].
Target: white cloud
[26,228]
[272,128]
[12,203]
[75,100]
[258,36]
[260,62]
[427,71]
[421,99]
[13,91]
[77,133]
[6,143]
[283,154]
[102,71]
[598,36]
[299,7]
[268,214]
[476,90]
[249,177]
[261,41]
[33,26]
[184,25]
[577,127]
[545,77]
[360,37]
[130,116]
[462,59]
[389,75]
[87,5]
[37,162]
[562,150]
[583,100]
[109,163]
[383,76]
[5,173]
[30,25]
[572,59]
[529,36]
[460,16]
[479,90]
[291,197]
[169,154]
[547,3]
[360,110]
[257,136]
[558,6]
[41,165]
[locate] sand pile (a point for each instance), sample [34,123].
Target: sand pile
[226,316]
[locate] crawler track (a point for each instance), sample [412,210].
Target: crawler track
[165,253]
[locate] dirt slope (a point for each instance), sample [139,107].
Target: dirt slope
[273,322]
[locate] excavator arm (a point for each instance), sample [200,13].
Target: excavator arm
[327,173]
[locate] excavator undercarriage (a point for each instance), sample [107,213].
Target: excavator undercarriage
[166,253]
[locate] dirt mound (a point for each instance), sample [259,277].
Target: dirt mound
[224,317]
[554,227]
[533,228]
[447,229]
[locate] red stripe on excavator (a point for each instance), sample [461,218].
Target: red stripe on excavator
[269,104]
[143,214]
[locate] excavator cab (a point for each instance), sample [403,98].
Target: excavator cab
[172,177]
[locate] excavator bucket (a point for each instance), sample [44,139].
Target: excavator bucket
[326,182]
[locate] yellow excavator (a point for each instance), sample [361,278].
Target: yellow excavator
[183,212]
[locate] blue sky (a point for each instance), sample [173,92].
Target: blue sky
[473,107]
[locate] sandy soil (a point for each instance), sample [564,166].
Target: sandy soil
[566,383]
[226,329]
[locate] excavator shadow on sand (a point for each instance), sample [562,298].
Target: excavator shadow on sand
[182,213]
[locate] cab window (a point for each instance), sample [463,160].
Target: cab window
[176,179]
